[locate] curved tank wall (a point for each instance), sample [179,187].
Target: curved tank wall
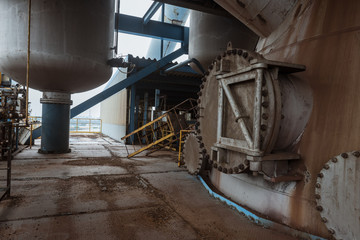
[324,36]
[70,43]
[209,37]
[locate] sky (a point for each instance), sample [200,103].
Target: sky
[127,44]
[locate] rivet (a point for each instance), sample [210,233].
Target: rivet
[218,57]
[199,93]
[228,52]
[224,170]
[344,155]
[320,175]
[263,127]
[211,67]
[317,196]
[204,151]
[197,116]
[230,171]
[206,73]
[197,124]
[236,169]
[324,220]
[331,231]
[201,145]
[198,101]
[203,79]
[220,168]
[356,154]
[265,116]
[233,51]
[245,54]
[199,137]
[326,166]
[202,86]
[334,160]
[239,52]
[319,208]
[318,185]
[198,131]
[215,165]
[242,167]
[265,104]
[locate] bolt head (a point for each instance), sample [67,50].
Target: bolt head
[326,166]
[318,185]
[356,154]
[344,155]
[320,175]
[317,196]
[319,208]
[324,220]
[331,231]
[334,160]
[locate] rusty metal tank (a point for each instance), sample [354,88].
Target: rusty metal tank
[324,36]
[70,43]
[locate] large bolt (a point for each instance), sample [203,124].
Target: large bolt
[236,169]
[215,165]
[331,231]
[319,208]
[233,51]
[320,175]
[218,57]
[203,151]
[201,145]
[203,79]
[356,154]
[265,104]
[211,67]
[324,220]
[239,52]
[318,185]
[197,124]
[317,196]
[206,157]
[245,54]
[265,116]
[220,168]
[225,170]
[206,73]
[263,127]
[242,167]
[228,52]
[202,86]
[264,93]
[344,155]
[198,101]
[230,171]
[326,166]
[199,137]
[334,160]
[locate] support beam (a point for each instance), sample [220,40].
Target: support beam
[151,11]
[132,111]
[154,29]
[126,82]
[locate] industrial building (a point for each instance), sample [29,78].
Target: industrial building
[253,134]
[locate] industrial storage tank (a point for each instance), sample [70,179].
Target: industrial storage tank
[70,43]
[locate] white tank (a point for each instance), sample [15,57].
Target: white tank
[70,43]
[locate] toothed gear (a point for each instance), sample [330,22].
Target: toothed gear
[337,195]
[194,158]
[208,105]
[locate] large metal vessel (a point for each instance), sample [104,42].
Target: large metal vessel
[318,193]
[70,43]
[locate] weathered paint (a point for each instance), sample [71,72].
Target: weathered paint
[324,36]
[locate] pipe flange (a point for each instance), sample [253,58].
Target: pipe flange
[56,98]
[338,195]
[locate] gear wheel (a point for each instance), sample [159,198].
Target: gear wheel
[208,104]
[194,158]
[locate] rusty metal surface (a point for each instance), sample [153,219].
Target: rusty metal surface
[261,16]
[325,36]
[338,195]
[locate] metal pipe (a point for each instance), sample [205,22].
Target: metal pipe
[192,60]
[220,112]
[28,65]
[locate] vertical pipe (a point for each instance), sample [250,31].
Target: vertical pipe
[162,40]
[132,111]
[28,64]
[145,110]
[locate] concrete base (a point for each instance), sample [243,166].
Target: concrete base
[95,192]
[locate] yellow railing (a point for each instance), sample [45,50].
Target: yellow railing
[77,125]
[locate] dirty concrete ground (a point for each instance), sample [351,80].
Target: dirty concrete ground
[95,192]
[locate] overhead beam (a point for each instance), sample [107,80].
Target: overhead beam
[151,11]
[154,29]
[126,82]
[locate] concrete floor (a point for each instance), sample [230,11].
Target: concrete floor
[95,192]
